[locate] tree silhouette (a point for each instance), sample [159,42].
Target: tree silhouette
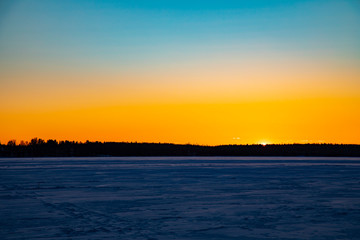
[37,147]
[12,143]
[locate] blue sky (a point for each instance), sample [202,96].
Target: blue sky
[134,32]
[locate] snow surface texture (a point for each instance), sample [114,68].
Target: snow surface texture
[180,198]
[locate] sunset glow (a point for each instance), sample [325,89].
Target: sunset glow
[182,72]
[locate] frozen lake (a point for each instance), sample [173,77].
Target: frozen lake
[172,198]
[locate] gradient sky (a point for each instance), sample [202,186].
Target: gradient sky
[205,72]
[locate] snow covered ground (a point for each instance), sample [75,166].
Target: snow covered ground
[180,198]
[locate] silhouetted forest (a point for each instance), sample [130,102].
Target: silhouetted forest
[52,148]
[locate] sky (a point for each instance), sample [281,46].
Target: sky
[200,72]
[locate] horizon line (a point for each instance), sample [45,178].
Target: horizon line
[36,140]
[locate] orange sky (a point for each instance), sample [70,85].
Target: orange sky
[301,121]
[286,102]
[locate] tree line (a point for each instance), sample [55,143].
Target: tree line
[38,147]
